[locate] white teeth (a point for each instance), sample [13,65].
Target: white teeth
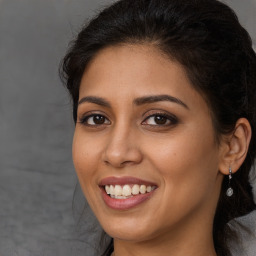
[107,188]
[112,190]
[135,189]
[119,192]
[119,197]
[143,189]
[127,191]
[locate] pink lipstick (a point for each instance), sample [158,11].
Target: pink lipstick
[123,193]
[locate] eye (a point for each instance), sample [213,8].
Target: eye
[157,120]
[160,120]
[94,120]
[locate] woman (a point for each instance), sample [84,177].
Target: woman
[164,104]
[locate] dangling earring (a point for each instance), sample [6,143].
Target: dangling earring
[229,190]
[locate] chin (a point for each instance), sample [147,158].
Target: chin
[128,229]
[130,235]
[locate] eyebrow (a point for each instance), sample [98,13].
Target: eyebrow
[157,98]
[139,101]
[96,100]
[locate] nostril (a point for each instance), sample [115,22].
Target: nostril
[121,151]
[119,164]
[130,157]
[127,163]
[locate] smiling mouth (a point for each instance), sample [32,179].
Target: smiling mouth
[127,191]
[124,193]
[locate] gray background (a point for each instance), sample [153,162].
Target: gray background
[37,178]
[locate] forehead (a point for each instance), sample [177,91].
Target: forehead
[133,68]
[121,74]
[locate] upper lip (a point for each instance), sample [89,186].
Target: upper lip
[113,180]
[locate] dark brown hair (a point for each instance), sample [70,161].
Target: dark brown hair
[216,52]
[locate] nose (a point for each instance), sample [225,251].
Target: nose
[122,149]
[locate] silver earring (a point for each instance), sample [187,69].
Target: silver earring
[230,190]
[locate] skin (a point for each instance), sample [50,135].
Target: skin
[181,156]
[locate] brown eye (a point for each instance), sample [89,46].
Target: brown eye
[97,119]
[157,120]
[161,120]
[94,120]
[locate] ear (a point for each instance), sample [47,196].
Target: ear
[234,147]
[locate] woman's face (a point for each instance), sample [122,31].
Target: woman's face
[145,135]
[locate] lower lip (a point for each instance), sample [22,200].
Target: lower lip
[125,204]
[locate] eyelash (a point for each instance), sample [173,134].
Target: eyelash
[84,120]
[171,119]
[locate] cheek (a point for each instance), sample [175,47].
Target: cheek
[187,163]
[188,169]
[86,158]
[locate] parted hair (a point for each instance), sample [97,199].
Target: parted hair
[206,38]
